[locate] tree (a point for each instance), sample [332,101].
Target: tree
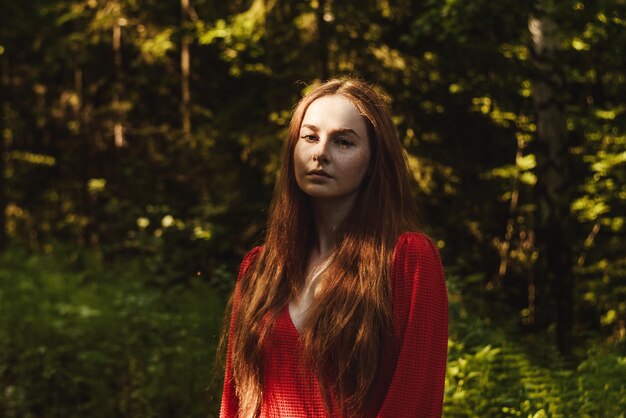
[554,279]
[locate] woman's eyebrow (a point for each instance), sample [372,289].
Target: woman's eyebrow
[344,131]
[334,131]
[311,127]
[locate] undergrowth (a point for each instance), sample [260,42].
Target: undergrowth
[81,339]
[98,341]
[495,370]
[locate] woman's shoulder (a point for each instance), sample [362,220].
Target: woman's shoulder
[415,251]
[248,260]
[417,278]
[414,241]
[252,254]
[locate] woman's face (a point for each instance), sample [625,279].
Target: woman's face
[332,152]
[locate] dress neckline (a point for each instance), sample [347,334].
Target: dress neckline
[290,324]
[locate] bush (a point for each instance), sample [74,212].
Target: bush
[102,343]
[495,371]
[81,340]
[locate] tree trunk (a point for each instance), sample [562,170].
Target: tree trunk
[322,39]
[553,287]
[118,127]
[505,250]
[185,111]
[84,233]
[3,195]
[4,84]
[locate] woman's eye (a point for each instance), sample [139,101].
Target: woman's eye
[309,137]
[344,143]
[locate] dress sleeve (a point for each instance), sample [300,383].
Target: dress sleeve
[230,404]
[421,327]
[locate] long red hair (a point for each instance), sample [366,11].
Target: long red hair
[351,317]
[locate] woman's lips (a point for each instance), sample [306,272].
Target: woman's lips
[319,174]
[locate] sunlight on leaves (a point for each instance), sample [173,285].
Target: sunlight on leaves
[589,208]
[96,185]
[156,47]
[143,222]
[33,158]
[203,233]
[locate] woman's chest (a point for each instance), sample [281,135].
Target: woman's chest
[288,384]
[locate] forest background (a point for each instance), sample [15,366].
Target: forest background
[139,145]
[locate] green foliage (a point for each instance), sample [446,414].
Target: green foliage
[601,384]
[77,339]
[94,156]
[493,371]
[101,342]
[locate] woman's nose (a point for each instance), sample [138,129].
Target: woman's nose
[320,152]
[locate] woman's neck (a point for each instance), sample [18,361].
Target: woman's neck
[328,215]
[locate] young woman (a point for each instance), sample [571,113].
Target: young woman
[343,311]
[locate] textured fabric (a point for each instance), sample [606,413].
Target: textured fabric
[411,374]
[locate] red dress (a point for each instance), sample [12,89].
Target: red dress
[410,378]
